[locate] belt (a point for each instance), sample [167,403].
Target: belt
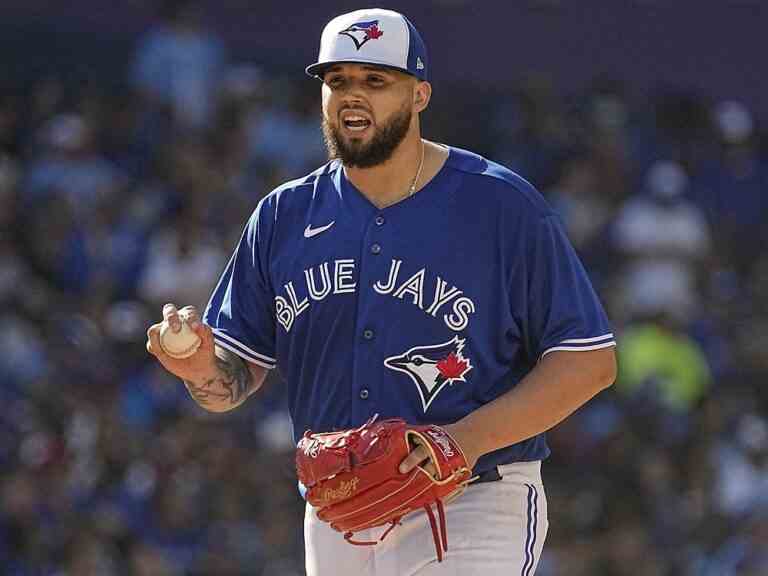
[491,475]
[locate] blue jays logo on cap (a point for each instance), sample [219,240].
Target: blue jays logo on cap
[362,32]
[378,37]
[432,367]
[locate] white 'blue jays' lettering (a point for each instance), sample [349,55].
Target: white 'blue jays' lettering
[319,286]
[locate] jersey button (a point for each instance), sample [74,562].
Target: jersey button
[375,249]
[368,334]
[364,393]
[379,220]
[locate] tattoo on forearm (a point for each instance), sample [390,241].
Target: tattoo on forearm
[237,377]
[231,387]
[205,394]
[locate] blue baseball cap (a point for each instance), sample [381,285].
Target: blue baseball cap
[374,36]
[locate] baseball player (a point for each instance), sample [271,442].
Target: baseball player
[410,279]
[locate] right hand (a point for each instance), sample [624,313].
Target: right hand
[202,364]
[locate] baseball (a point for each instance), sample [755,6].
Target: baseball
[181,344]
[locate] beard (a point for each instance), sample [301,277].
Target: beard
[356,154]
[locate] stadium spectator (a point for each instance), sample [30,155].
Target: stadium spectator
[178,66]
[664,241]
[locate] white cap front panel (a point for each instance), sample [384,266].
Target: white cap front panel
[377,36]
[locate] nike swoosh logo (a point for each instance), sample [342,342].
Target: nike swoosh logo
[309,232]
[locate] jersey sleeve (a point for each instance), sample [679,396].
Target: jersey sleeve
[240,310]
[563,310]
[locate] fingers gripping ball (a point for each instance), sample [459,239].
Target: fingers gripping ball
[181,344]
[353,476]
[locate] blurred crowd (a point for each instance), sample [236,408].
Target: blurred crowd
[116,197]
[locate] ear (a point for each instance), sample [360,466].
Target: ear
[422,93]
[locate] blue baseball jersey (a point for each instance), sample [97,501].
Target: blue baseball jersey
[424,310]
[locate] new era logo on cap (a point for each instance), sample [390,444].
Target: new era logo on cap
[374,36]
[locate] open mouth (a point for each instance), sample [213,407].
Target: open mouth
[355,122]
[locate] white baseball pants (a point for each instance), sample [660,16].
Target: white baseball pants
[494,529]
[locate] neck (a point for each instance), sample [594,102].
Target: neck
[391,181]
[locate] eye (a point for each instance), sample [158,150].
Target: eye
[375,80]
[334,81]
[418,360]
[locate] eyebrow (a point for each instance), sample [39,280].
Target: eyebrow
[367,67]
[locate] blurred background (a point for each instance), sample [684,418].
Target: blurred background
[137,137]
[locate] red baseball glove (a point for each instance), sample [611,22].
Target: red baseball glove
[352,476]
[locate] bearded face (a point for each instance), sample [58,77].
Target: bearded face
[359,141]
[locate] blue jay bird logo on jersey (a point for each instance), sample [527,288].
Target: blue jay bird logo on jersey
[432,367]
[362,32]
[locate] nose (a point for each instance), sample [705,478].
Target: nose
[354,88]
[351,100]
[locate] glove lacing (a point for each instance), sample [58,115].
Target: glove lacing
[439,532]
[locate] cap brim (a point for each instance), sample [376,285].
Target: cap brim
[317,69]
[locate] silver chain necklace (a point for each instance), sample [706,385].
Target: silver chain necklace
[418,172]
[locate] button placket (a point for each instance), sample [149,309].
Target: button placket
[372,267]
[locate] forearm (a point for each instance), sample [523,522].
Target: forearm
[227,387]
[559,384]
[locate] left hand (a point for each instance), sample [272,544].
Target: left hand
[420,456]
